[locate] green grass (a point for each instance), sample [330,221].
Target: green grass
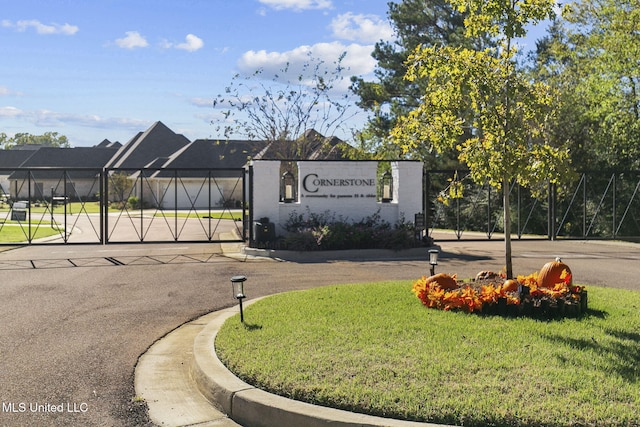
[94,208]
[74,207]
[235,215]
[374,348]
[12,234]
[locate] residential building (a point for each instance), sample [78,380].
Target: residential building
[176,173]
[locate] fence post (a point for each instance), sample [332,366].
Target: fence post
[251,204]
[489,211]
[29,194]
[551,212]
[104,206]
[613,216]
[584,206]
[175,205]
[140,201]
[245,206]
[426,207]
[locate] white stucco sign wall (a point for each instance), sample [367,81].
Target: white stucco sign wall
[349,189]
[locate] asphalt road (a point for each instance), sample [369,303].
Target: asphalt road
[75,319]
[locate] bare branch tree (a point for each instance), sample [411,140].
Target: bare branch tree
[283,108]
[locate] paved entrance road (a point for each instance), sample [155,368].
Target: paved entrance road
[75,319]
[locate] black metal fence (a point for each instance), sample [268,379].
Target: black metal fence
[85,205]
[596,205]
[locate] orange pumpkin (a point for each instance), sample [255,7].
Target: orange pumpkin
[510,285]
[444,280]
[551,273]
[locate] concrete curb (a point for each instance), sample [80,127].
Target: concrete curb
[253,407]
[267,253]
[163,381]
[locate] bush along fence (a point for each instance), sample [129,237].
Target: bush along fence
[547,294]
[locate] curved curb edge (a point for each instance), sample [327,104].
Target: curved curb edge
[253,407]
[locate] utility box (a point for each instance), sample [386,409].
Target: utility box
[264,231]
[19,211]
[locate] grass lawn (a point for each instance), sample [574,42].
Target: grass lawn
[374,348]
[235,215]
[74,207]
[15,234]
[94,208]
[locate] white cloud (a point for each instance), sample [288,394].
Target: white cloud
[40,28]
[357,60]
[48,118]
[11,112]
[5,91]
[191,44]
[298,5]
[201,102]
[132,40]
[361,28]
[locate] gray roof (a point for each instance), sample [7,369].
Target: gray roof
[13,158]
[161,151]
[211,154]
[309,146]
[60,158]
[144,148]
[108,144]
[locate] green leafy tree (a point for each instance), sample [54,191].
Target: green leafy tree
[389,96]
[48,139]
[599,55]
[479,104]
[120,187]
[555,63]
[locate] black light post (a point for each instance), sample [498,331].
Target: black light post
[237,285]
[433,260]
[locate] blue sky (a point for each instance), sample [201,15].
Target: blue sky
[109,68]
[100,69]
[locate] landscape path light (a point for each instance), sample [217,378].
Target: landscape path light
[433,260]
[237,285]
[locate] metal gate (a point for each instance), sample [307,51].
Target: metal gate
[84,205]
[597,205]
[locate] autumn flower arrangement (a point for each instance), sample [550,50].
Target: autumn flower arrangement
[493,293]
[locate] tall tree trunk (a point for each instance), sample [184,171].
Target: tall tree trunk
[506,165]
[507,227]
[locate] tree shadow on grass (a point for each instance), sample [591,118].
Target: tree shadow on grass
[621,348]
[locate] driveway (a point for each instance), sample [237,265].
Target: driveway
[75,319]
